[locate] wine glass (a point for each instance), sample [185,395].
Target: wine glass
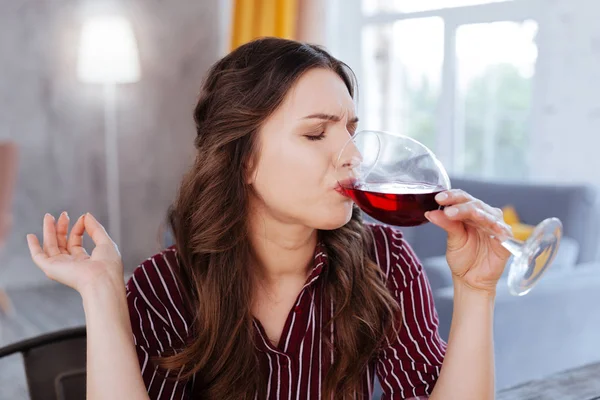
[394,179]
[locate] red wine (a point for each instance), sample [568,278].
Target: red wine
[399,204]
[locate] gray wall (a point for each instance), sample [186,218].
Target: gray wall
[58,122]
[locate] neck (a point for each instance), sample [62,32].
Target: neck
[281,250]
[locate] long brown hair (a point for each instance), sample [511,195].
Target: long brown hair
[210,223]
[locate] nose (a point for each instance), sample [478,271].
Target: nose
[346,159]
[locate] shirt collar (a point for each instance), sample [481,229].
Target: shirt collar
[320,261]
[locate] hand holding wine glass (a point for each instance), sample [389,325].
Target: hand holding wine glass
[63,258]
[474,256]
[396,180]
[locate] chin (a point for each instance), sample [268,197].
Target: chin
[334,219]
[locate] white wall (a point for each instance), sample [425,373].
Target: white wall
[565,140]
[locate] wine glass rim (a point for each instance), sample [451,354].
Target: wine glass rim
[441,167]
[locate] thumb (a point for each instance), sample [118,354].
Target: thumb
[456,229]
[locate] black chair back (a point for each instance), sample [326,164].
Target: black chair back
[54,364]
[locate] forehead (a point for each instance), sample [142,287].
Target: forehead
[320,91]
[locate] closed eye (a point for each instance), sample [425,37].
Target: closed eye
[321,136]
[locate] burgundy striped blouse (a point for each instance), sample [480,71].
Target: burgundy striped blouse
[407,367]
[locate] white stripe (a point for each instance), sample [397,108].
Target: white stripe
[408,331]
[139,289]
[423,380]
[162,387]
[385,376]
[300,363]
[168,338]
[387,251]
[412,265]
[320,338]
[145,363]
[162,349]
[287,342]
[290,379]
[141,327]
[174,279]
[270,375]
[412,300]
[177,382]
[169,294]
[311,318]
[278,378]
[278,353]
[331,331]
[314,277]
[427,322]
[392,369]
[161,302]
[152,380]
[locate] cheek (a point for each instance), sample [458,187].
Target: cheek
[291,173]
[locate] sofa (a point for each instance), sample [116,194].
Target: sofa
[557,325]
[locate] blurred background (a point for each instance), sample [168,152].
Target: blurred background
[504,92]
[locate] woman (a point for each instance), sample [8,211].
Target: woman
[275,288]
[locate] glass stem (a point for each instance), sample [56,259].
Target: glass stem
[513,245]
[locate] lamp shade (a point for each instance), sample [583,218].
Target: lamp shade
[108,51]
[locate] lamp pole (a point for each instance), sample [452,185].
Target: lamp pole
[111,148]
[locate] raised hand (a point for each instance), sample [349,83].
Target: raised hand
[63,258]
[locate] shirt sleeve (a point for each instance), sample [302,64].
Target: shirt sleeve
[157,328]
[410,362]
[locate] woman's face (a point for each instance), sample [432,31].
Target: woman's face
[298,145]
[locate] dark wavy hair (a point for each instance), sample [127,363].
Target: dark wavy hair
[209,220]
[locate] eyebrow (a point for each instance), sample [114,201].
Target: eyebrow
[329,117]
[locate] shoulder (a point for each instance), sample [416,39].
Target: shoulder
[153,289]
[393,254]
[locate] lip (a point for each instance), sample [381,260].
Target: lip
[345,183]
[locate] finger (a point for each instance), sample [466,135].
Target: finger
[496,212]
[62,229]
[75,242]
[498,216]
[37,253]
[474,213]
[439,218]
[98,233]
[453,196]
[50,242]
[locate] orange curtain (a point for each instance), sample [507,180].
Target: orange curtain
[257,18]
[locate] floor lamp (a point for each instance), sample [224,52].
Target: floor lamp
[108,55]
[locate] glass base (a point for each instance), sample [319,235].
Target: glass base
[534,257]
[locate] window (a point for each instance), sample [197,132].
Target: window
[495,64]
[411,6]
[402,86]
[453,74]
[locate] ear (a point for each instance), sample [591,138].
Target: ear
[250,171]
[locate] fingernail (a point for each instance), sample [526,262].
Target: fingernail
[427,216]
[451,211]
[66,214]
[441,196]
